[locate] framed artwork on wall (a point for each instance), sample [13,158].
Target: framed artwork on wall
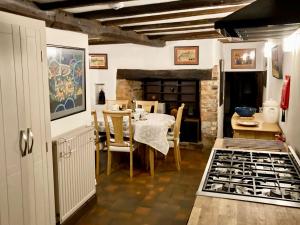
[243,58]
[66,75]
[186,55]
[277,58]
[98,61]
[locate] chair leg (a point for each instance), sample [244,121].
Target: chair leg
[151,160]
[108,163]
[98,163]
[179,154]
[176,156]
[131,164]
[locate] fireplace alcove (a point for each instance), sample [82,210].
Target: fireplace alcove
[172,87]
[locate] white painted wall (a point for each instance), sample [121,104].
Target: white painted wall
[291,66]
[260,61]
[131,56]
[78,40]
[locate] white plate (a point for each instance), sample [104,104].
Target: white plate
[247,123]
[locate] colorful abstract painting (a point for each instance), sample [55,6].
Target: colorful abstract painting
[66,74]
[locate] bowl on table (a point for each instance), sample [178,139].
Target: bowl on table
[245,111]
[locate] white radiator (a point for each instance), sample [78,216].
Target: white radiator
[74,170]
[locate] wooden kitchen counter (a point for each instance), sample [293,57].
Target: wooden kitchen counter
[219,211]
[264,130]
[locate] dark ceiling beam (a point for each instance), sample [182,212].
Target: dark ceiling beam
[100,42]
[170,25]
[105,41]
[176,29]
[24,8]
[73,3]
[187,36]
[157,8]
[63,20]
[170,16]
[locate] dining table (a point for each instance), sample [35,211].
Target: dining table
[150,129]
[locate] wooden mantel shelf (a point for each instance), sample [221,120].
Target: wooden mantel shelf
[187,74]
[262,131]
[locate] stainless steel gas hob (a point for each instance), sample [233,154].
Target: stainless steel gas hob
[258,176]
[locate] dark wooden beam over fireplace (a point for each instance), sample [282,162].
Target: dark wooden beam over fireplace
[189,74]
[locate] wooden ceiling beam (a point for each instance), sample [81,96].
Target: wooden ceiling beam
[187,36]
[157,8]
[175,29]
[171,16]
[170,25]
[73,3]
[24,8]
[66,21]
[105,41]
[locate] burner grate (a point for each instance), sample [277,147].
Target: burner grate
[256,175]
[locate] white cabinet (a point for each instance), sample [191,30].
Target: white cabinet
[26,182]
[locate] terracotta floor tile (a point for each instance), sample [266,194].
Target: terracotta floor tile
[142,211]
[166,199]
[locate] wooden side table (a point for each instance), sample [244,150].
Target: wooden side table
[264,130]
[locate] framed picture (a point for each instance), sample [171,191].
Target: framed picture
[243,58]
[66,75]
[98,61]
[186,55]
[277,58]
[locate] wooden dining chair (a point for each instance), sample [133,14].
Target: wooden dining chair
[147,105]
[174,137]
[98,140]
[118,143]
[110,103]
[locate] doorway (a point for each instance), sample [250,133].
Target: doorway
[241,89]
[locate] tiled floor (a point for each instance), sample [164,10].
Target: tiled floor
[163,200]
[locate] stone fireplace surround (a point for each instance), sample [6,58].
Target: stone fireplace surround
[129,86]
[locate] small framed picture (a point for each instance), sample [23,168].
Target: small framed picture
[186,55]
[277,58]
[243,58]
[98,61]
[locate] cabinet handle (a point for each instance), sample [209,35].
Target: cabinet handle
[23,137]
[30,136]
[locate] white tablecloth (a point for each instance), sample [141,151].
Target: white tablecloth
[152,131]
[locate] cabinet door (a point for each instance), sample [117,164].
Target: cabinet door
[24,194]
[11,193]
[33,82]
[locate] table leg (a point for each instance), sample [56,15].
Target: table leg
[151,160]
